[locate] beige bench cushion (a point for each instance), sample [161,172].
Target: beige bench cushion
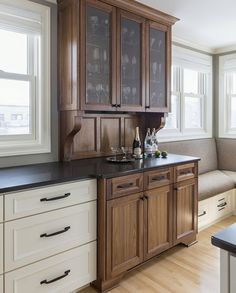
[202,148]
[213,183]
[226,149]
[232,175]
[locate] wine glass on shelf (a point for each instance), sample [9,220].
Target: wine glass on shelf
[124,62]
[134,93]
[154,70]
[94,23]
[134,62]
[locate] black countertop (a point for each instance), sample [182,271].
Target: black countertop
[17,178]
[226,239]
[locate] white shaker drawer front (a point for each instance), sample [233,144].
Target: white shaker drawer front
[1,284]
[34,238]
[62,273]
[30,202]
[1,208]
[1,249]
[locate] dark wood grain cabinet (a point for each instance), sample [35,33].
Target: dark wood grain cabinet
[141,215]
[113,57]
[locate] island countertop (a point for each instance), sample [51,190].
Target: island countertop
[226,239]
[30,176]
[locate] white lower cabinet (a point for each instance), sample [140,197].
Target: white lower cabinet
[1,284]
[62,273]
[215,208]
[1,249]
[37,237]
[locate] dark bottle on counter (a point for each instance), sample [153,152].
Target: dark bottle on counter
[137,150]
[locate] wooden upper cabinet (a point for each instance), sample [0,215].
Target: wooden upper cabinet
[158,227]
[158,74]
[130,62]
[98,56]
[68,53]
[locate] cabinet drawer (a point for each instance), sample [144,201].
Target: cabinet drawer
[31,239]
[185,172]
[222,205]
[157,178]
[76,268]
[124,185]
[1,208]
[1,249]
[30,202]
[1,284]
[204,214]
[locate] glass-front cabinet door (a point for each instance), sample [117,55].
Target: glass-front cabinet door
[131,62]
[98,60]
[158,68]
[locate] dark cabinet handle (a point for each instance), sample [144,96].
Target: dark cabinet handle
[127,185]
[158,178]
[114,105]
[66,273]
[118,106]
[55,198]
[55,233]
[222,205]
[177,189]
[185,172]
[203,214]
[147,107]
[146,197]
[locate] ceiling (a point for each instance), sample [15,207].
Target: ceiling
[209,25]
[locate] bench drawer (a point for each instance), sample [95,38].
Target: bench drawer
[76,268]
[30,202]
[185,172]
[1,249]
[157,178]
[124,185]
[1,208]
[204,213]
[37,237]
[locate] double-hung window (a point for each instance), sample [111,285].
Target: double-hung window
[24,78]
[227,96]
[191,99]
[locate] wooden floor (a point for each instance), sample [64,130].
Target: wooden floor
[180,270]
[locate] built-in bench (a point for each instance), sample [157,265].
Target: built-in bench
[217,174]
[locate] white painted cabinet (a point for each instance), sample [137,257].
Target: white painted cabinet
[232,275]
[1,208]
[1,284]
[37,237]
[34,201]
[62,273]
[1,249]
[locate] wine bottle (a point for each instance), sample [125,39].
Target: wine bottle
[137,151]
[148,144]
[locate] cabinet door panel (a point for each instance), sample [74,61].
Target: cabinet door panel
[98,57]
[158,221]
[158,68]
[131,58]
[186,206]
[124,234]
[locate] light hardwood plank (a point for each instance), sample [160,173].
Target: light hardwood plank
[179,270]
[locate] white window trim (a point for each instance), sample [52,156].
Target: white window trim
[40,142]
[224,105]
[192,60]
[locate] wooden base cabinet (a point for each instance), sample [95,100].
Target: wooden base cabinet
[157,221]
[135,226]
[124,234]
[185,211]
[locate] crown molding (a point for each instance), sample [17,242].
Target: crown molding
[193,45]
[224,50]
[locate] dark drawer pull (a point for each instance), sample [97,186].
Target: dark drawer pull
[222,205]
[66,273]
[221,199]
[126,185]
[55,233]
[221,209]
[55,198]
[181,173]
[203,214]
[159,178]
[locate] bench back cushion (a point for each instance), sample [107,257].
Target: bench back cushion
[202,148]
[226,149]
